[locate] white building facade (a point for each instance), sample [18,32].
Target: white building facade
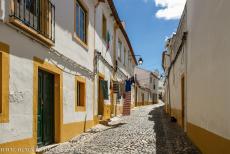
[197,83]
[47,57]
[147,86]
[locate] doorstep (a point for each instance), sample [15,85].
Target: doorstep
[45,148]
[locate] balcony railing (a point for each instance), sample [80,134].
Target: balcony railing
[39,15]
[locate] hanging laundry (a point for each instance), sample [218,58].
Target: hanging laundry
[104,87]
[122,89]
[108,40]
[121,92]
[115,86]
[128,84]
[132,80]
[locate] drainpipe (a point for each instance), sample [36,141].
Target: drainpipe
[114,57]
[95,73]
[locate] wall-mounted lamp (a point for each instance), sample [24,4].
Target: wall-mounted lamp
[140,60]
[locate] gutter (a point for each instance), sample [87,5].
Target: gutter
[115,14]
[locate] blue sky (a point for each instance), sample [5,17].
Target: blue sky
[148,23]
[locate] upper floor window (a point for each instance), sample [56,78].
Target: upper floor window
[104,27]
[81,22]
[38,15]
[119,49]
[124,57]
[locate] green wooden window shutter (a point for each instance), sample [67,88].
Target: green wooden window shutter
[105,90]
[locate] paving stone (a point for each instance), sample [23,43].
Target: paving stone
[147,130]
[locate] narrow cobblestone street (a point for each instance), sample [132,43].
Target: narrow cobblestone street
[147,130]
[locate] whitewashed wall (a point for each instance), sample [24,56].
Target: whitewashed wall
[208,65]
[175,76]
[101,46]
[22,51]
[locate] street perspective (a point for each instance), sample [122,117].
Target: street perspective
[114,77]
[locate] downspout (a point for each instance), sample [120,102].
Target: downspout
[114,57]
[95,73]
[169,95]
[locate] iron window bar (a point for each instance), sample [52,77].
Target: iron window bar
[39,15]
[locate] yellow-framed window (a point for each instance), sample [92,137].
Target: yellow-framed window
[4,83]
[125,57]
[119,49]
[80,94]
[104,27]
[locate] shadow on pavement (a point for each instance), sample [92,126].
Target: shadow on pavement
[170,138]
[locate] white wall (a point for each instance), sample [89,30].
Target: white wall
[101,46]
[208,65]
[22,51]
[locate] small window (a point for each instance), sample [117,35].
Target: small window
[80,94]
[124,57]
[80,22]
[104,28]
[119,49]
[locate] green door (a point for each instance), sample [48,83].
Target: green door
[45,108]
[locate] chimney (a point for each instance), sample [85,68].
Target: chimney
[123,24]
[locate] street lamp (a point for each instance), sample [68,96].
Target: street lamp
[140,60]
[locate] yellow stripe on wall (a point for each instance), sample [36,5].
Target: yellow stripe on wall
[208,142]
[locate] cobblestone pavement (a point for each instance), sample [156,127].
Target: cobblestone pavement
[147,130]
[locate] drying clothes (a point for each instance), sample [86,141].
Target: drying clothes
[122,89]
[128,84]
[116,87]
[108,40]
[105,90]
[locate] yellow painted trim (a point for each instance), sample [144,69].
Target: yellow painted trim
[58,93]
[208,142]
[33,33]
[96,120]
[101,75]
[63,132]
[107,112]
[100,104]
[81,80]
[27,145]
[80,109]
[104,27]
[80,42]
[71,130]
[4,96]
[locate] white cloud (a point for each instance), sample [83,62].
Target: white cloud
[169,9]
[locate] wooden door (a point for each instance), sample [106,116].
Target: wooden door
[45,131]
[100,98]
[112,98]
[182,101]
[143,98]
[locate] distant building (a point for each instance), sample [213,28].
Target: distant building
[147,86]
